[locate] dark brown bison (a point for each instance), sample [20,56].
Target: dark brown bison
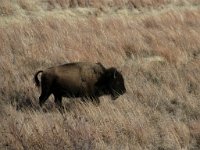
[80,79]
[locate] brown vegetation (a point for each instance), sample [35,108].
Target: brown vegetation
[156,44]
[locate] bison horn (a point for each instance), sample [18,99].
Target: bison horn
[114,74]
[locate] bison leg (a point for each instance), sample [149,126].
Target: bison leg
[58,101]
[46,92]
[44,96]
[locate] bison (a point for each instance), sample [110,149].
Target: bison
[80,79]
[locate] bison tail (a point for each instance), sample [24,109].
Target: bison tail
[37,82]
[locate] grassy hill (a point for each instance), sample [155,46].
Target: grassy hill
[156,45]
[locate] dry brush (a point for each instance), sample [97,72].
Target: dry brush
[155,43]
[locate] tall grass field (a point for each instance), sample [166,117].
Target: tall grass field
[154,43]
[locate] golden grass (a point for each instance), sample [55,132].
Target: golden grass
[156,45]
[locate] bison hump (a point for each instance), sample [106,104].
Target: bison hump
[91,73]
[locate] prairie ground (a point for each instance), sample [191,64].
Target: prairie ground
[156,45]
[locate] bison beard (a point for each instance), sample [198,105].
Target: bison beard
[81,79]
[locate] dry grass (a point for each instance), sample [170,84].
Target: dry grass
[6,8]
[156,44]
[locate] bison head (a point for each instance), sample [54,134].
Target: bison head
[112,82]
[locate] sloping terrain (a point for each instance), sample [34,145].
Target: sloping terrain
[156,45]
